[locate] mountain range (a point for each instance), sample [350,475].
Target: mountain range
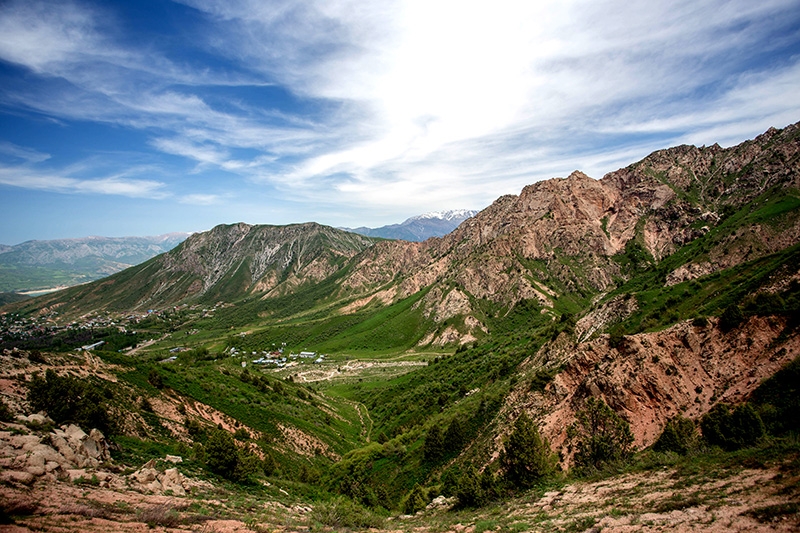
[421,227]
[564,244]
[665,291]
[35,264]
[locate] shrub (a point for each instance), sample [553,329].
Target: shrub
[223,457]
[468,491]
[415,501]
[450,481]
[679,436]
[433,449]
[732,429]
[221,453]
[777,400]
[340,512]
[616,337]
[68,400]
[526,457]
[730,318]
[154,378]
[599,436]
[454,437]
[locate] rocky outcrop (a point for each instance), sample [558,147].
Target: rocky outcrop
[651,377]
[150,479]
[70,454]
[51,456]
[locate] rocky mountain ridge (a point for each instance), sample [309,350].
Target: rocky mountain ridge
[562,242]
[584,236]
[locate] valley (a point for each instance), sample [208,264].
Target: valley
[616,354]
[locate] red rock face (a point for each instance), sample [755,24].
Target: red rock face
[652,377]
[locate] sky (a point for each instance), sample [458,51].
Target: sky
[122,118]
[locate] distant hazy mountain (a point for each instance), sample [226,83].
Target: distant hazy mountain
[36,265]
[420,228]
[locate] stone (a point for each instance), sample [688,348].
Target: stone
[172,480]
[76,473]
[17,476]
[36,470]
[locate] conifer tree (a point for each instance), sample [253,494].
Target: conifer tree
[433,449]
[526,457]
[599,436]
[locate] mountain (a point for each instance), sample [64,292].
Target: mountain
[564,244]
[669,288]
[45,264]
[421,227]
[225,264]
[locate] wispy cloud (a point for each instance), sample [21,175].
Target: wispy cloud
[200,199]
[28,155]
[401,106]
[109,185]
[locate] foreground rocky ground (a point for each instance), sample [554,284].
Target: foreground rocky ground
[759,491]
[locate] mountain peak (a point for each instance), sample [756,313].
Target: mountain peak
[420,227]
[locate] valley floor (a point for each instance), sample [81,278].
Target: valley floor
[692,497]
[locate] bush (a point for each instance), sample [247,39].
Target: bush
[730,318]
[468,491]
[732,429]
[679,436]
[599,437]
[526,457]
[221,453]
[777,400]
[454,437]
[68,400]
[415,501]
[154,378]
[616,337]
[223,457]
[340,512]
[433,449]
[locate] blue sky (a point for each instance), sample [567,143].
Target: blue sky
[141,118]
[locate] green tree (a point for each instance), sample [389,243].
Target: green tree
[433,448]
[154,378]
[731,317]
[68,400]
[679,436]
[777,400]
[599,436]
[454,436]
[222,454]
[415,501]
[468,491]
[732,429]
[526,457]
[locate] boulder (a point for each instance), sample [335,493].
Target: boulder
[145,475]
[38,419]
[17,477]
[172,480]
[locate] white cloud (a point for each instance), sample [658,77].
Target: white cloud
[110,185]
[200,199]
[424,105]
[29,155]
